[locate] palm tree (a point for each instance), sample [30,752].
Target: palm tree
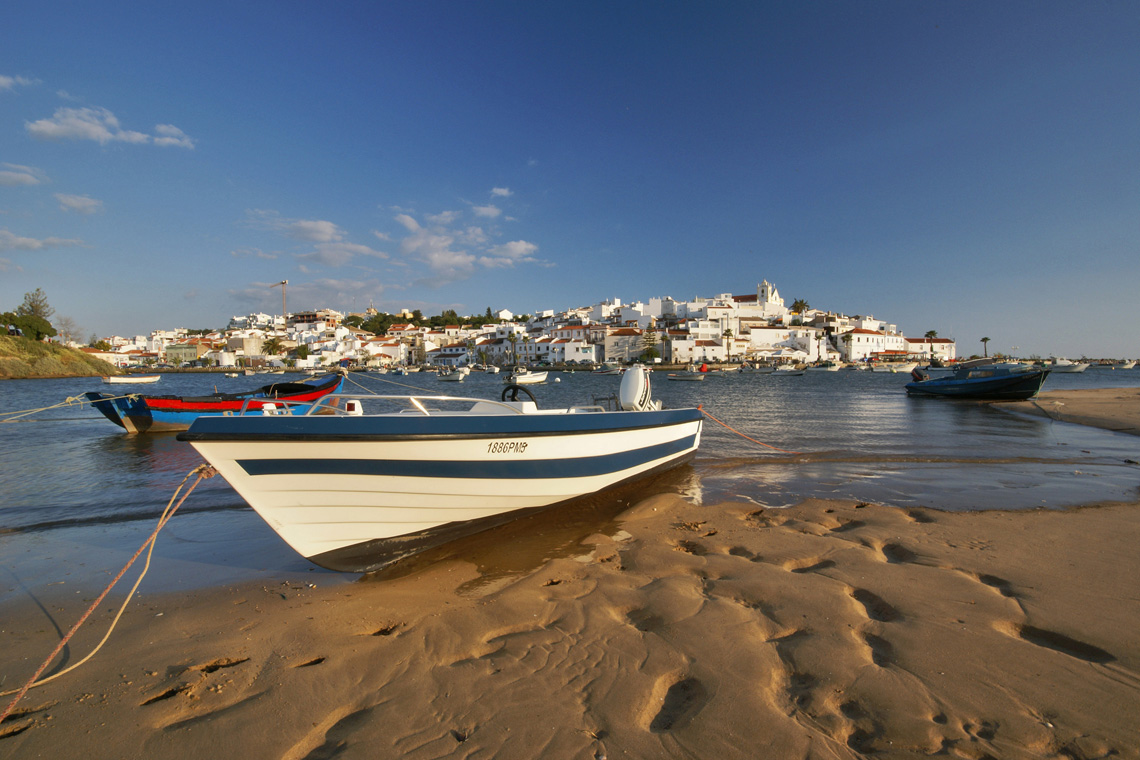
[727,335]
[930,336]
[799,306]
[272,347]
[985,348]
[847,339]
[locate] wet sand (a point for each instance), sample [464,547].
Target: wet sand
[825,630]
[1115,409]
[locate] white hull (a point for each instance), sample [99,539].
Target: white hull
[526,378]
[131,379]
[339,488]
[899,367]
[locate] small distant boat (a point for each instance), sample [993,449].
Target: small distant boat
[690,376]
[608,369]
[232,374]
[360,488]
[524,376]
[454,375]
[1066,366]
[156,414]
[131,379]
[788,370]
[980,379]
[823,367]
[1117,365]
[894,367]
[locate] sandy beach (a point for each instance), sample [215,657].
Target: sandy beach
[830,629]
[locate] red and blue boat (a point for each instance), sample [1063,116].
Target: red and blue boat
[138,413]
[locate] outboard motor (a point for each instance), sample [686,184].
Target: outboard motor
[919,375]
[635,393]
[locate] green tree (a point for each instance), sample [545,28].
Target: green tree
[930,336]
[985,348]
[649,345]
[35,305]
[301,351]
[799,306]
[32,327]
[272,347]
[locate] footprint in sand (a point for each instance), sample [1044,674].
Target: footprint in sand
[1058,642]
[682,701]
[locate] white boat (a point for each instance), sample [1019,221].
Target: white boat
[130,379]
[905,367]
[524,376]
[788,370]
[1066,366]
[823,367]
[454,374]
[368,479]
[689,376]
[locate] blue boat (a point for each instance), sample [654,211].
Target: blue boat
[982,379]
[138,413]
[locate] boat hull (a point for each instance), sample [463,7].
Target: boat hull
[160,414]
[355,494]
[996,387]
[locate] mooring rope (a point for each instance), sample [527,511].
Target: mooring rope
[348,377]
[69,401]
[203,472]
[742,435]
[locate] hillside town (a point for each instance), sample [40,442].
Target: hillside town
[757,327]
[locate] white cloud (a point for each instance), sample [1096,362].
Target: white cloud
[79,203]
[407,222]
[314,230]
[444,218]
[509,254]
[310,230]
[338,254]
[11,242]
[501,192]
[14,175]
[172,136]
[9,83]
[101,126]
[453,253]
[519,250]
[488,211]
[257,253]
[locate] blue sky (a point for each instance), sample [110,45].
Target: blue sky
[966,167]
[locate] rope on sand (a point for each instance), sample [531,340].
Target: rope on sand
[742,435]
[202,471]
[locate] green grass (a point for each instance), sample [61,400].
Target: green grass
[21,357]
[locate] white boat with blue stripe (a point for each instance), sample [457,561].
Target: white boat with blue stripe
[383,477]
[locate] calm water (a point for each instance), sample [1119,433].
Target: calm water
[71,482]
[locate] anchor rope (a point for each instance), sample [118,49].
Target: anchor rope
[742,435]
[203,472]
[69,401]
